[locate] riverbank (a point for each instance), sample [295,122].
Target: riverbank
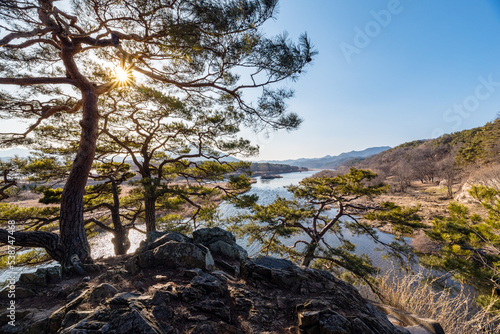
[431,200]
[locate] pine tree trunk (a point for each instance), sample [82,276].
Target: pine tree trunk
[449,186]
[150,211]
[149,196]
[47,240]
[309,254]
[72,231]
[120,241]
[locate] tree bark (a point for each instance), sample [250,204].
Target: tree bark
[309,254]
[449,186]
[72,232]
[120,241]
[150,209]
[49,241]
[149,193]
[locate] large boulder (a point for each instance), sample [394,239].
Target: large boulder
[156,238]
[207,236]
[181,254]
[173,254]
[233,251]
[42,276]
[220,242]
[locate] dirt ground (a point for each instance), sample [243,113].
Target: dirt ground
[433,200]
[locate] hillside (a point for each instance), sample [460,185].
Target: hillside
[476,146]
[448,160]
[330,162]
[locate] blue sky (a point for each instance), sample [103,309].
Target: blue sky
[388,72]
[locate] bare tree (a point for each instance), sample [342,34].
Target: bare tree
[403,175]
[449,172]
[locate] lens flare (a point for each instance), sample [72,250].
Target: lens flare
[122,75]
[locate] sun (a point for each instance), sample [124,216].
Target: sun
[123,76]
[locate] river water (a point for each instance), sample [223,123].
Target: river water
[267,190]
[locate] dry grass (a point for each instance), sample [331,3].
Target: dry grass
[454,310]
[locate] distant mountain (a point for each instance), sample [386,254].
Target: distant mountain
[330,162]
[327,162]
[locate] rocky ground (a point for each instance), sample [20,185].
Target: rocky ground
[200,284]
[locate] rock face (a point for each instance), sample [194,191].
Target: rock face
[321,302]
[488,177]
[29,284]
[171,250]
[175,288]
[220,242]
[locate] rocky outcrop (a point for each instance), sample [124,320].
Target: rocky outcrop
[172,286]
[330,305]
[220,242]
[486,176]
[30,283]
[172,251]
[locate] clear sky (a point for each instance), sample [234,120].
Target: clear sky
[388,72]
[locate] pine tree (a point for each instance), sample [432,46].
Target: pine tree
[470,244]
[308,219]
[189,47]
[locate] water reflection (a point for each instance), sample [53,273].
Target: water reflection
[102,246]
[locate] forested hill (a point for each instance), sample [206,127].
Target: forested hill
[428,159]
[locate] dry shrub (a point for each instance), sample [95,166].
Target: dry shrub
[455,310]
[422,244]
